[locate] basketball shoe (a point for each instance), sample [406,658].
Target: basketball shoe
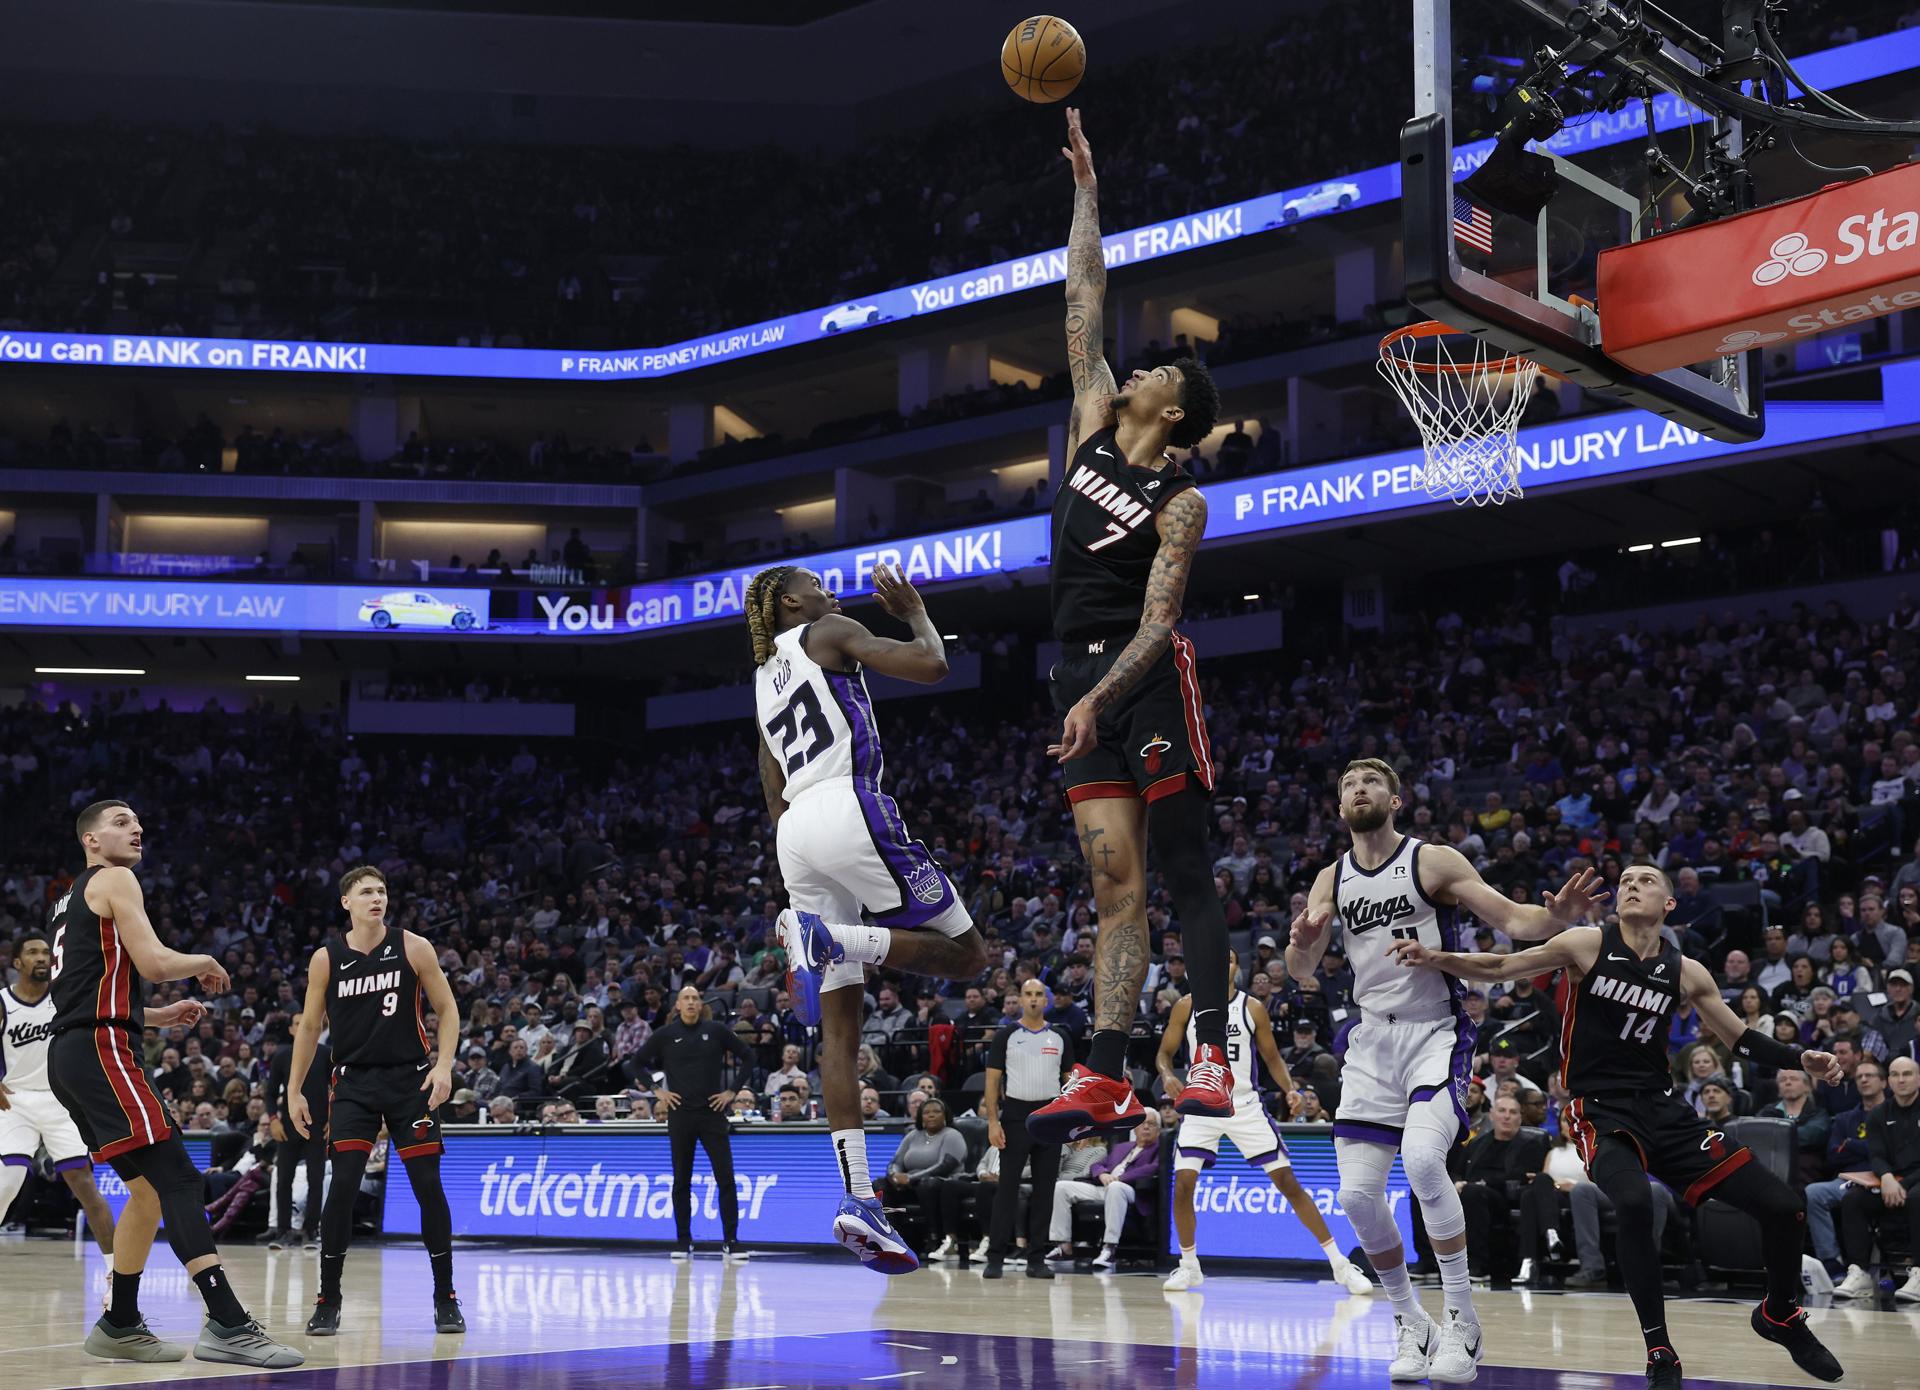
[1415,1341]
[1663,1370]
[1088,1103]
[1209,1087]
[1793,1333]
[863,1228]
[1456,1353]
[810,949]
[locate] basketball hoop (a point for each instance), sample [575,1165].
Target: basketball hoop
[1467,397]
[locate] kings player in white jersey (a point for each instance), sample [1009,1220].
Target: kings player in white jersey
[30,1113]
[1403,1085]
[862,890]
[1252,1130]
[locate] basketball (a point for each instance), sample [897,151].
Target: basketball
[1043,59]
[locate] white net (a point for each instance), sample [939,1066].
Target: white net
[1467,398]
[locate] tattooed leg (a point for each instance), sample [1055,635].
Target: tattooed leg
[1113,839]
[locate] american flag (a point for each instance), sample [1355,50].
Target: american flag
[1472,225]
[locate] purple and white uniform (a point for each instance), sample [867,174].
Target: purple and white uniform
[844,848]
[34,1115]
[1414,1042]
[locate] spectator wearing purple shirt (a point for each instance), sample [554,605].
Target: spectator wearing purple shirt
[1115,1182]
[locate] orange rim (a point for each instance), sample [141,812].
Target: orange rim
[1433,328]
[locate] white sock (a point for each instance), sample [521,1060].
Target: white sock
[1189,1257]
[1456,1285]
[1400,1289]
[868,945]
[850,1147]
[1332,1252]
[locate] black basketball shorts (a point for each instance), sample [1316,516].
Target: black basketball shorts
[98,1079]
[1151,737]
[1676,1146]
[364,1097]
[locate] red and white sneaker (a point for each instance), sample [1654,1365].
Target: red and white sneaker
[1209,1088]
[1089,1103]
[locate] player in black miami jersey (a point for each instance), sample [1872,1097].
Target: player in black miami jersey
[366,985]
[1126,523]
[104,952]
[1625,981]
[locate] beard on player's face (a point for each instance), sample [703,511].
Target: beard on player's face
[1362,819]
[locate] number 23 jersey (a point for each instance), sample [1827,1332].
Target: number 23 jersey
[1379,906]
[813,718]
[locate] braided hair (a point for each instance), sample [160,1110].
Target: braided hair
[763,608]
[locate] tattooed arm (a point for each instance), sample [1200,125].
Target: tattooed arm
[1181,524]
[1093,385]
[773,781]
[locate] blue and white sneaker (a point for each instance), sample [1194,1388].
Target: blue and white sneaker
[810,949]
[863,1228]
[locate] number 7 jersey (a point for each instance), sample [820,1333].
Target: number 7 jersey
[803,720]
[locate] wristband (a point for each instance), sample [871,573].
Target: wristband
[1756,1046]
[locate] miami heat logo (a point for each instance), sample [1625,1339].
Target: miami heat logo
[1155,747]
[421,1127]
[1715,1144]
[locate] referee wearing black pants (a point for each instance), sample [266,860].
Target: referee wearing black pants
[1026,1063]
[692,1049]
[291,1151]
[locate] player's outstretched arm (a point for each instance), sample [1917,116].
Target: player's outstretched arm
[773,780]
[1308,941]
[1093,384]
[1181,524]
[1578,949]
[922,661]
[306,1041]
[126,904]
[1697,983]
[1447,876]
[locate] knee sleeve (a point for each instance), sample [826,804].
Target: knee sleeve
[1363,1193]
[169,1170]
[436,1217]
[12,1177]
[1426,1168]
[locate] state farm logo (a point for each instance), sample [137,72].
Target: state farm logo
[1792,254]
[1744,340]
[1862,236]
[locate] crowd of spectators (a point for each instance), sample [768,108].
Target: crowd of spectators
[1771,766]
[374,239]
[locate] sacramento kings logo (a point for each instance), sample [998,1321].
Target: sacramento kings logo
[924,883]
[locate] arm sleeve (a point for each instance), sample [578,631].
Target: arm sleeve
[997,1049]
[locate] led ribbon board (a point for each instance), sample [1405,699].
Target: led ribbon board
[1831,68]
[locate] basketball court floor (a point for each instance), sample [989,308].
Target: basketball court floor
[574,1317]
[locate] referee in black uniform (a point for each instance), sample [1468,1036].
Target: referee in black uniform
[291,1150]
[1026,1063]
[693,1051]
